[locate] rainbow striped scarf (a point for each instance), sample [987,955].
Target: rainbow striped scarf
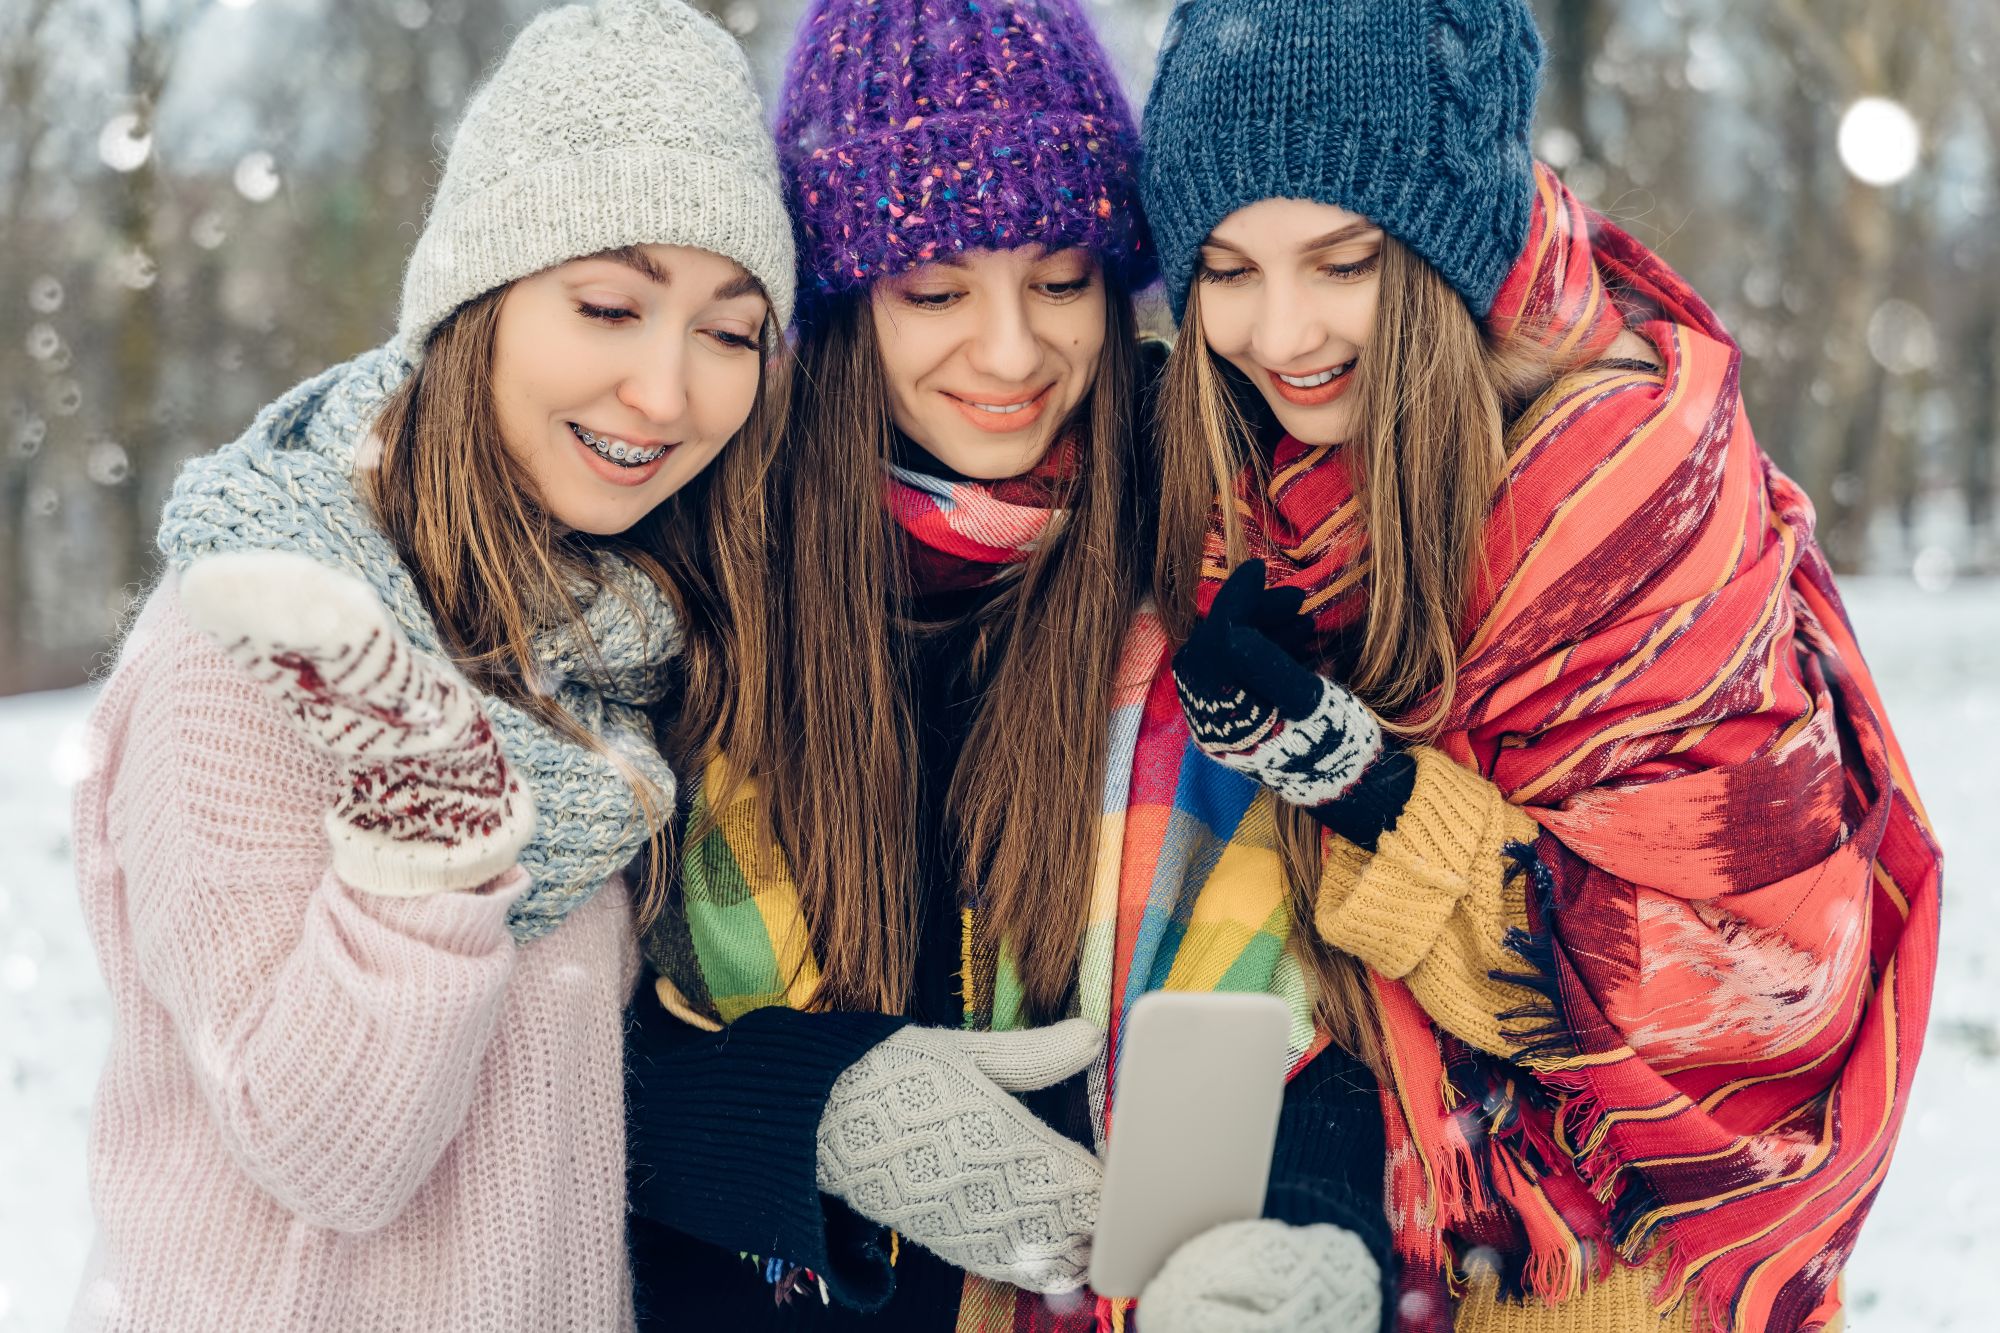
[1738,917]
[1189,890]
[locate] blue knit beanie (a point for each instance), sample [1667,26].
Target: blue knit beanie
[1412,113]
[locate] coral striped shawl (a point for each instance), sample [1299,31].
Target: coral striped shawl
[1738,925]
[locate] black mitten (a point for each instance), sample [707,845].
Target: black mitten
[1253,707]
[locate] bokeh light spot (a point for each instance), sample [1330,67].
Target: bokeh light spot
[1879,141]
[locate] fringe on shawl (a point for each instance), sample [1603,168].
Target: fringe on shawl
[1501,1153]
[1692,590]
[1538,1030]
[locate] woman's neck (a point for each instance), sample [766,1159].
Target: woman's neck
[911,455]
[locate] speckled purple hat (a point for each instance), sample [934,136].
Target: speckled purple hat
[910,129]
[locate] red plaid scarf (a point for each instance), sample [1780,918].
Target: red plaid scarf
[963,534]
[1738,916]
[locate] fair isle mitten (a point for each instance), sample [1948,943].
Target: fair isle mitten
[1264,1276]
[1253,708]
[428,803]
[922,1134]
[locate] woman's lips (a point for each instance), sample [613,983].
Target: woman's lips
[1315,395]
[1003,416]
[601,457]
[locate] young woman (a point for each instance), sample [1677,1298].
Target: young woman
[1613,819]
[961,823]
[375,755]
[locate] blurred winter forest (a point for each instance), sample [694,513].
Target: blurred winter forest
[204,201]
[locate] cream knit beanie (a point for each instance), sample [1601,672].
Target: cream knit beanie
[626,122]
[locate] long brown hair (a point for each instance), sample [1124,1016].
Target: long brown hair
[494,567]
[1435,395]
[828,735]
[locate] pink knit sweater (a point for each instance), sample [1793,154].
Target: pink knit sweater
[327,1110]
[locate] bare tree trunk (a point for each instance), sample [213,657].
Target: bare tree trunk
[1853,415]
[16,665]
[1576,31]
[1979,434]
[138,344]
[1803,253]
[1858,49]
[25,127]
[1979,393]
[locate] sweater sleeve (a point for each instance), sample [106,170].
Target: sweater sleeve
[1328,1162]
[722,1137]
[1434,903]
[336,1036]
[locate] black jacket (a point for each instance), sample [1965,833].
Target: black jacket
[722,1127]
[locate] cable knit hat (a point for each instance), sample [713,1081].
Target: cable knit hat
[912,129]
[626,122]
[1413,113]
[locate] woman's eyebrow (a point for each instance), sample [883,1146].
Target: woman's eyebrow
[743,284]
[632,257]
[1358,227]
[1345,232]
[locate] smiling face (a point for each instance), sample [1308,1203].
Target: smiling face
[988,354]
[1288,292]
[620,376]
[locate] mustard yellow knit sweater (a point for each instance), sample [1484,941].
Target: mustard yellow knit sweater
[1430,907]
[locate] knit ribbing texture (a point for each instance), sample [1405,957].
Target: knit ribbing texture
[431,805]
[1433,905]
[915,129]
[627,122]
[1310,761]
[287,484]
[1258,1275]
[323,1110]
[723,1139]
[923,1135]
[1413,113]
[1621,1303]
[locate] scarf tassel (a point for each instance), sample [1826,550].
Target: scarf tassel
[1582,1127]
[1557,1257]
[788,1280]
[1538,1029]
[1433,1181]
[1635,1212]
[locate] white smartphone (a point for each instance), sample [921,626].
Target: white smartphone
[1194,1117]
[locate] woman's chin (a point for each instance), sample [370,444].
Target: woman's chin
[988,458]
[604,515]
[584,502]
[1331,424]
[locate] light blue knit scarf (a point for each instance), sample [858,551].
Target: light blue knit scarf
[287,485]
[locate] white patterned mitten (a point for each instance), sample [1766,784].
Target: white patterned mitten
[1264,1276]
[429,803]
[921,1134]
[1253,707]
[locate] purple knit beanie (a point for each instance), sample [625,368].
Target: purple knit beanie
[911,129]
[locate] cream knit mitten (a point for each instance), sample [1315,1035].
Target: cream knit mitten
[921,1134]
[1264,1276]
[429,804]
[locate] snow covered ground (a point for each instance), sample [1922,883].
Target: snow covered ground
[1918,1267]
